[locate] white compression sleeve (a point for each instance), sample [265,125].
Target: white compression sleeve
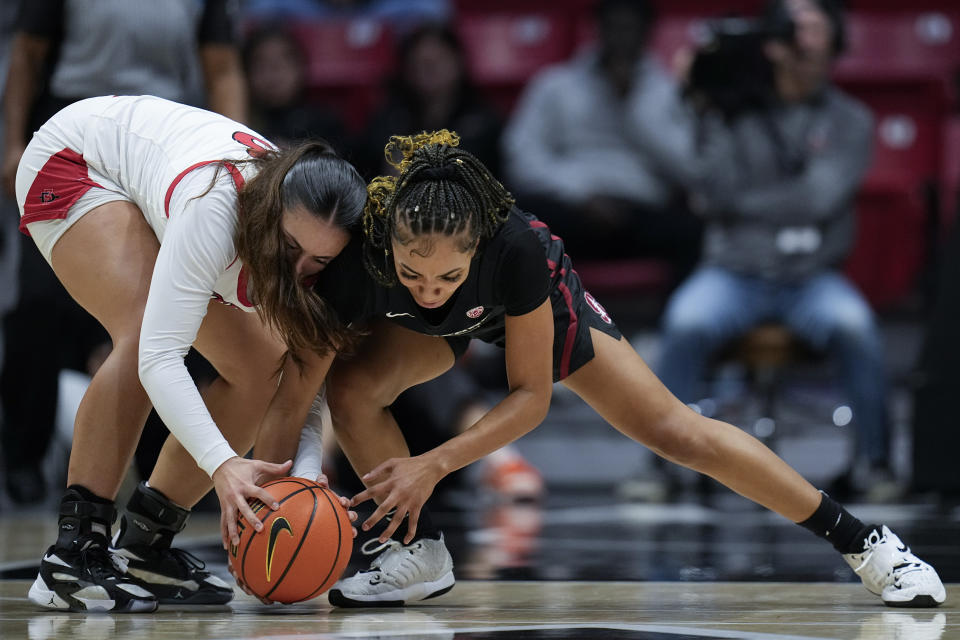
[308,462]
[196,248]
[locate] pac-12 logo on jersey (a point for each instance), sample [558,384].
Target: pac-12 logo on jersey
[475,313]
[596,306]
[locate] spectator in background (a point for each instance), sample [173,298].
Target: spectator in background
[431,89]
[63,51]
[402,14]
[597,147]
[775,188]
[276,69]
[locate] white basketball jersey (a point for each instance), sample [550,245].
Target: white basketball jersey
[148,147]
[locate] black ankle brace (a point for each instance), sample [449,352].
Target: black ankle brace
[150,518]
[84,514]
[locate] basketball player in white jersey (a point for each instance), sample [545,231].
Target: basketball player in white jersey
[167,223]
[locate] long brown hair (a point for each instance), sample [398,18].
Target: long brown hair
[314,177]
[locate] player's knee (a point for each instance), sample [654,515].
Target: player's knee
[678,438]
[352,391]
[257,374]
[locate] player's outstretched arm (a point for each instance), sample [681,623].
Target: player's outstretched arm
[405,484]
[280,429]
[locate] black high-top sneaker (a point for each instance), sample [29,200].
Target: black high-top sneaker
[174,576]
[78,573]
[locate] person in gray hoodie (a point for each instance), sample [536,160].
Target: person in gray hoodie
[775,186]
[599,147]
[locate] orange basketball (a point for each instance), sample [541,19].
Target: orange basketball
[303,547]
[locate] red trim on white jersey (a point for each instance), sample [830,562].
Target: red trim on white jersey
[61,181]
[242,287]
[238,181]
[234,172]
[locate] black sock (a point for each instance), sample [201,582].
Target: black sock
[834,524]
[425,528]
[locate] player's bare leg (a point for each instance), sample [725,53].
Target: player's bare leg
[105,261]
[359,391]
[620,387]
[623,390]
[247,358]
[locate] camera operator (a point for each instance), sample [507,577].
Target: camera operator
[781,153]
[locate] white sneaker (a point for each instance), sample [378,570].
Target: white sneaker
[891,571]
[401,574]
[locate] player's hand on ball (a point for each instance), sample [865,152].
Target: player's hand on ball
[245,588]
[236,482]
[403,484]
[323,481]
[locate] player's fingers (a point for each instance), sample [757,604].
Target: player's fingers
[230,515]
[323,481]
[360,498]
[274,470]
[265,497]
[392,527]
[352,515]
[344,502]
[413,516]
[224,531]
[374,475]
[240,583]
[379,514]
[249,516]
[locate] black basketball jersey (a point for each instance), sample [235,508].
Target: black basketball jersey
[513,273]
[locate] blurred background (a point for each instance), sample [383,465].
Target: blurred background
[594,119]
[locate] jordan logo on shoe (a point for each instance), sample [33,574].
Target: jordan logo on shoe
[51,599]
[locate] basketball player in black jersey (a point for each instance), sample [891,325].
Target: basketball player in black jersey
[446,257]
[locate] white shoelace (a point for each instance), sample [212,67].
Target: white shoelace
[400,565]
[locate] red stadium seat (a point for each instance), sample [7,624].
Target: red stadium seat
[891,246]
[504,49]
[347,61]
[950,172]
[898,45]
[671,34]
[624,276]
[893,211]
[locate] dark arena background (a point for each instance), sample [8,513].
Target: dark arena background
[574,531]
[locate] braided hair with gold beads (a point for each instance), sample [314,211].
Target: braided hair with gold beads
[440,189]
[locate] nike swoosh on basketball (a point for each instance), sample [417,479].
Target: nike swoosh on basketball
[390,314]
[280,524]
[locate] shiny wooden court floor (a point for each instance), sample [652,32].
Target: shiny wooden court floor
[579,591]
[493,610]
